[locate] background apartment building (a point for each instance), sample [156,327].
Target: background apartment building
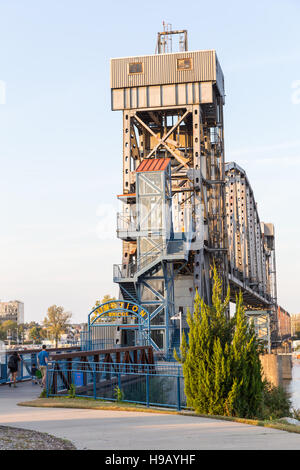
[295,319]
[12,310]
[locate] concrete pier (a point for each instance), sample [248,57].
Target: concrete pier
[276,368]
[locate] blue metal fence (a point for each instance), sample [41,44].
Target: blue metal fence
[88,343]
[148,384]
[24,369]
[28,359]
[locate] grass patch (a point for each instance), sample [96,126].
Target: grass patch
[90,403]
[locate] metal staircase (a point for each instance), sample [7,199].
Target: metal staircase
[128,291]
[128,275]
[146,276]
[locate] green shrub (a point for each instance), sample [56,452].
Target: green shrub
[221,365]
[118,394]
[276,402]
[72,391]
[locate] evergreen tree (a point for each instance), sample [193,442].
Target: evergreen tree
[221,365]
[245,366]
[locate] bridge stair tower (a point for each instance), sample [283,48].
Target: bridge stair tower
[172,223]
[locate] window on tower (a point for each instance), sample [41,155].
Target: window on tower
[135,67]
[184,64]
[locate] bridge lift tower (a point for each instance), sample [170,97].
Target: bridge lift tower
[176,197]
[173,218]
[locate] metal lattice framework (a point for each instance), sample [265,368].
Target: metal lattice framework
[251,253]
[172,108]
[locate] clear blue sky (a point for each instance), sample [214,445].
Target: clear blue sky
[60,144]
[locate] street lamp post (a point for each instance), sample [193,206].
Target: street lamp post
[9,337]
[180,323]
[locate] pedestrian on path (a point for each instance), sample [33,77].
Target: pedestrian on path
[42,360]
[36,375]
[13,364]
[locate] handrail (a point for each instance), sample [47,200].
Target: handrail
[131,269]
[39,349]
[156,250]
[126,222]
[95,352]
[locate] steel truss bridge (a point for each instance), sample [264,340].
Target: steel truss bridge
[183,208]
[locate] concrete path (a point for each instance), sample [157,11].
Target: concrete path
[112,430]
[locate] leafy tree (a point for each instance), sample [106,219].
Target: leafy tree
[2,334]
[221,363]
[9,325]
[35,334]
[5,327]
[30,325]
[44,333]
[105,299]
[56,322]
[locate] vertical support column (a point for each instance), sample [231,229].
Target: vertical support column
[94,380]
[126,151]
[69,369]
[199,200]
[147,389]
[178,394]
[127,144]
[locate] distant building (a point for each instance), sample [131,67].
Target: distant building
[12,310]
[284,323]
[295,323]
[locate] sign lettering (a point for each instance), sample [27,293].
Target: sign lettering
[116,309]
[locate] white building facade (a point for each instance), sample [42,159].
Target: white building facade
[12,310]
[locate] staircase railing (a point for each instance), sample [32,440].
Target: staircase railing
[147,258]
[126,223]
[123,271]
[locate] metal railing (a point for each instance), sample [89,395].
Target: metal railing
[150,256]
[28,359]
[123,271]
[147,384]
[126,223]
[24,367]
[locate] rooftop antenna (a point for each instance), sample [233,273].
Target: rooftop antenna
[164,39]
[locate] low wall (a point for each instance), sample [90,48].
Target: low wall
[276,368]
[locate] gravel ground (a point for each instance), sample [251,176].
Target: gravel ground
[23,439]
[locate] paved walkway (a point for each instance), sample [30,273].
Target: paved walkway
[112,430]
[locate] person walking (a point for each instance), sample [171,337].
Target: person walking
[43,357]
[13,364]
[34,371]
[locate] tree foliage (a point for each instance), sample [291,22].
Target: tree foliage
[221,364]
[9,325]
[5,327]
[56,322]
[105,299]
[35,334]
